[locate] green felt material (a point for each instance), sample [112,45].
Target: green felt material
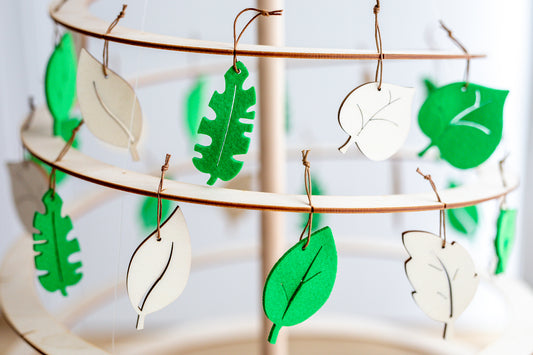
[194,107]
[227,130]
[300,282]
[148,212]
[53,248]
[506,229]
[429,85]
[464,220]
[60,80]
[465,124]
[317,217]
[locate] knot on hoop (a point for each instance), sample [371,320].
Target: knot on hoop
[376,9]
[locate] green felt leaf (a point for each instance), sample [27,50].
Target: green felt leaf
[465,124]
[227,130]
[430,86]
[317,217]
[148,212]
[196,99]
[464,220]
[60,80]
[300,282]
[53,248]
[506,229]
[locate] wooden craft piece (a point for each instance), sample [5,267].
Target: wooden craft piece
[29,182]
[464,220]
[377,120]
[108,105]
[300,282]
[148,211]
[159,270]
[444,278]
[60,80]
[465,123]
[505,235]
[195,107]
[227,131]
[53,248]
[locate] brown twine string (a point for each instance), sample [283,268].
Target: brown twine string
[236,38]
[442,212]
[460,45]
[105,54]
[379,46]
[62,153]
[159,202]
[309,191]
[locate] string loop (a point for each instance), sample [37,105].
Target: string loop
[309,192]
[164,168]
[105,54]
[442,212]
[460,45]
[236,39]
[379,46]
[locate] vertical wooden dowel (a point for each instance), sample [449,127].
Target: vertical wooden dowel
[272,123]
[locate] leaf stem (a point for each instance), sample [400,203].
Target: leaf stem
[425,149]
[140,322]
[273,335]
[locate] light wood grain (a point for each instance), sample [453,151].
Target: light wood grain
[75,15]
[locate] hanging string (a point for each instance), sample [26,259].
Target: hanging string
[309,192]
[460,45]
[379,46]
[501,163]
[236,38]
[105,54]
[62,153]
[442,212]
[159,202]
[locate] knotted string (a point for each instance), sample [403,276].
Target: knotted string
[309,192]
[442,215]
[159,202]
[236,38]
[105,54]
[379,46]
[460,45]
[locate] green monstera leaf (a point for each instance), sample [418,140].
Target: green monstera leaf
[300,282]
[60,81]
[464,220]
[53,248]
[464,123]
[227,130]
[506,230]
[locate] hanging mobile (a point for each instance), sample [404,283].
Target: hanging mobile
[301,281]
[108,103]
[233,118]
[376,115]
[463,120]
[160,266]
[442,274]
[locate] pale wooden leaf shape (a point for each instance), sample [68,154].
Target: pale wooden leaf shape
[159,270]
[444,279]
[241,182]
[377,120]
[29,182]
[109,105]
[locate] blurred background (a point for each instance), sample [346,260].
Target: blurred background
[368,286]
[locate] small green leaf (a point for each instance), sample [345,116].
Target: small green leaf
[506,230]
[317,217]
[465,124]
[195,103]
[148,212]
[300,282]
[60,80]
[464,220]
[53,248]
[227,130]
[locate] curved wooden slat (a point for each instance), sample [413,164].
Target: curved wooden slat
[38,141]
[75,15]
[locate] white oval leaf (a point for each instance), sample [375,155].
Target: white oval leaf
[159,270]
[377,120]
[29,182]
[109,105]
[444,279]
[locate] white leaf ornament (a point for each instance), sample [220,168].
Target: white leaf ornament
[159,270]
[444,278]
[377,120]
[109,105]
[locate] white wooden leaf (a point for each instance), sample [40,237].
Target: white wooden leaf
[377,120]
[159,270]
[29,182]
[109,105]
[444,279]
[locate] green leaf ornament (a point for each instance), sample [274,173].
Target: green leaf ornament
[53,248]
[227,130]
[506,230]
[300,282]
[464,123]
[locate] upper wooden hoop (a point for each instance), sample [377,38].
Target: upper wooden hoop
[75,15]
[38,141]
